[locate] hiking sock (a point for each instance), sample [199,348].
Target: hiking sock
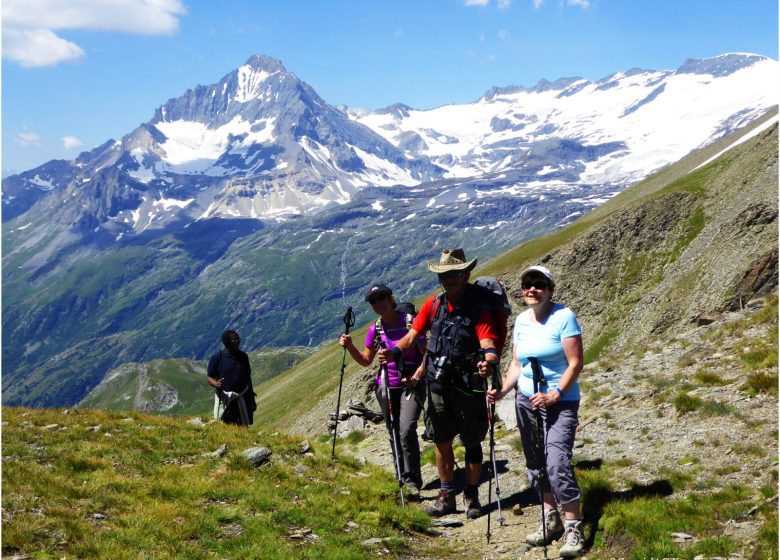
[570,522]
[446,486]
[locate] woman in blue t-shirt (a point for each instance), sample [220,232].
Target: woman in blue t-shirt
[549,332]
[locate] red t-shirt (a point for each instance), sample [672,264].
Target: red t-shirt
[422,322]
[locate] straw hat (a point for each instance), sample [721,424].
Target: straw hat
[451,259]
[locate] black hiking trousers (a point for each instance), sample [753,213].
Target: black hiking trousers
[406,412]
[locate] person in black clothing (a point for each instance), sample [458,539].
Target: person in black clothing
[230,374]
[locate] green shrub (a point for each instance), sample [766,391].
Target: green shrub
[706,377]
[761,383]
[356,436]
[767,538]
[428,456]
[763,356]
[685,403]
[602,343]
[716,408]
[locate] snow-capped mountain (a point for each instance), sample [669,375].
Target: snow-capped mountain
[262,144]
[627,124]
[259,143]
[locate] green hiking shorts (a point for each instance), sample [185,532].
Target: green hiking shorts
[454,412]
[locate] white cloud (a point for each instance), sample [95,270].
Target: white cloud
[503,34]
[476,2]
[28,25]
[71,143]
[32,48]
[504,4]
[27,139]
[584,4]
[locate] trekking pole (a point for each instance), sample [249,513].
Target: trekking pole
[349,321]
[385,379]
[541,446]
[492,464]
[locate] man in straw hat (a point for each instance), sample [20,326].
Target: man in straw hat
[462,340]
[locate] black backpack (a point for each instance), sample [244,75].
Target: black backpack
[493,294]
[453,343]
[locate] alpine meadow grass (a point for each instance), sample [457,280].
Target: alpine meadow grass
[94,484]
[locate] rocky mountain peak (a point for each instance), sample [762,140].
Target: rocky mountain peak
[265,63]
[719,66]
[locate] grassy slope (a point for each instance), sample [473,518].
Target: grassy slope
[186,376]
[96,484]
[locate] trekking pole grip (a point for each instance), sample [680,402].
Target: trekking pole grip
[537,371]
[349,320]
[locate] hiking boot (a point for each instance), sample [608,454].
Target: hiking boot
[444,504]
[411,491]
[471,503]
[573,541]
[554,530]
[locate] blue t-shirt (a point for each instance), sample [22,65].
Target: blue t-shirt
[545,341]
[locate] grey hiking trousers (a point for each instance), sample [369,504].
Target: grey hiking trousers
[559,425]
[405,413]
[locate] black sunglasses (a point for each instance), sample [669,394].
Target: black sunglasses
[377,299]
[452,274]
[538,284]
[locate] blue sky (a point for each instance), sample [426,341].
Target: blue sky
[78,72]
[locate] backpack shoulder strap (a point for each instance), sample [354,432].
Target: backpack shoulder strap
[379,332]
[439,307]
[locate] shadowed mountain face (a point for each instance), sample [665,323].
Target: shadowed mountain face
[252,203]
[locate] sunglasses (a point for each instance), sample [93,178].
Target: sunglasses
[538,284]
[452,274]
[377,299]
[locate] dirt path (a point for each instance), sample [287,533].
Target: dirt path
[469,540]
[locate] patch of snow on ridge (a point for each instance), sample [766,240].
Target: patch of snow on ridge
[168,203]
[42,183]
[143,173]
[755,132]
[192,147]
[249,83]
[381,172]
